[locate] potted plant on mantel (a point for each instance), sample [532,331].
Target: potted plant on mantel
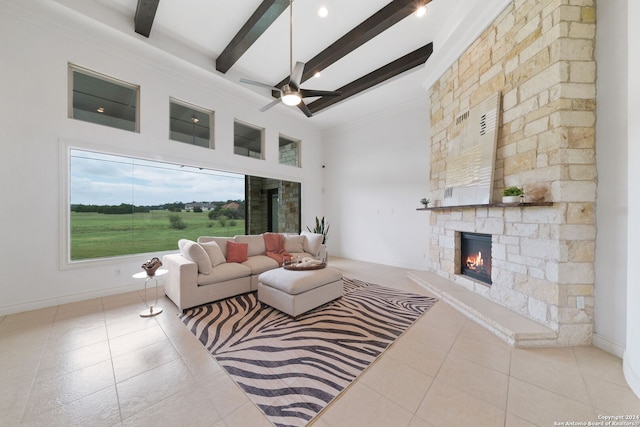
[425,202]
[513,195]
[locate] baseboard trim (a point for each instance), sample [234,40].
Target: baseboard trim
[49,302]
[607,345]
[386,261]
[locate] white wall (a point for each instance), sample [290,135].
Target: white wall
[611,162]
[376,172]
[632,352]
[40,38]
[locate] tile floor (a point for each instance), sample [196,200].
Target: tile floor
[97,363]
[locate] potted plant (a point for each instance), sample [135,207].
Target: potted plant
[512,195]
[425,202]
[321,228]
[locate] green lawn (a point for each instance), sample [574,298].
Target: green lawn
[95,235]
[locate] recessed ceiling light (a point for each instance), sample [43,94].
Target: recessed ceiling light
[323,12]
[317,74]
[100,110]
[421,11]
[195,119]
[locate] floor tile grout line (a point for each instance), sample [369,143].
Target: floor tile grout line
[39,364]
[506,410]
[113,369]
[584,381]
[35,375]
[435,375]
[548,390]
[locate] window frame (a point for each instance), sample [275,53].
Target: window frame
[254,127]
[203,111]
[64,190]
[73,68]
[64,161]
[298,143]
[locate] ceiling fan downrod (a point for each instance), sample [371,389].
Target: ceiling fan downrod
[290,37]
[291,96]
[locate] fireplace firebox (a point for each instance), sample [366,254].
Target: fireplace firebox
[475,256]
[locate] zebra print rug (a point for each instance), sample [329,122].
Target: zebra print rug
[292,368]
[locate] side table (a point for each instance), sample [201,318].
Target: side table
[153,309]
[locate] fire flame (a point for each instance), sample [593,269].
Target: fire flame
[473,262]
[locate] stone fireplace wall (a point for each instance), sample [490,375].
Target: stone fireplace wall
[539,54]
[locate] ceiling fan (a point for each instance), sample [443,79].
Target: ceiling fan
[291,93]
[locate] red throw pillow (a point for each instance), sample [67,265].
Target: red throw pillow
[237,252]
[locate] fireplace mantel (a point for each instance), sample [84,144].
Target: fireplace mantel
[490,205]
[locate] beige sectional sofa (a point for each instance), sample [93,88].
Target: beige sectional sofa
[206,270]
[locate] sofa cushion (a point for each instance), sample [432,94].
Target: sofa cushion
[298,282]
[215,253]
[312,242]
[293,243]
[260,263]
[237,252]
[224,272]
[221,241]
[256,244]
[196,253]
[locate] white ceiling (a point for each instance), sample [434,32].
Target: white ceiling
[199,30]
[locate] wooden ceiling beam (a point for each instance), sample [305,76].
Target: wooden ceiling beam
[145,14]
[386,72]
[377,23]
[262,18]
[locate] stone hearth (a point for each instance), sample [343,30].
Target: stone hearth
[513,328]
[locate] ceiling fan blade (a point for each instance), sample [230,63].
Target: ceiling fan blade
[252,82]
[303,107]
[308,93]
[296,75]
[271,104]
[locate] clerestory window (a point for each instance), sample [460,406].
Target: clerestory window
[190,124]
[103,100]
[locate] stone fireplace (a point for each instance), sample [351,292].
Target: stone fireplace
[539,55]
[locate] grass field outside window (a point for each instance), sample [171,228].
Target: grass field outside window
[95,235]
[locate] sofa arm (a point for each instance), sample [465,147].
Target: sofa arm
[181,280]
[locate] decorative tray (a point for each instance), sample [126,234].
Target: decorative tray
[304,267]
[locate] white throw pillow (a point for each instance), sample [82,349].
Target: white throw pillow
[312,242]
[256,245]
[293,243]
[221,241]
[196,253]
[215,253]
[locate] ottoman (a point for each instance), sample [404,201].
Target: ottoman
[296,292]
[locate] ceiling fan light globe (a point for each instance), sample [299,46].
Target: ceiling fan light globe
[291,98]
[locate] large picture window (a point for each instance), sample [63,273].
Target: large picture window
[121,205]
